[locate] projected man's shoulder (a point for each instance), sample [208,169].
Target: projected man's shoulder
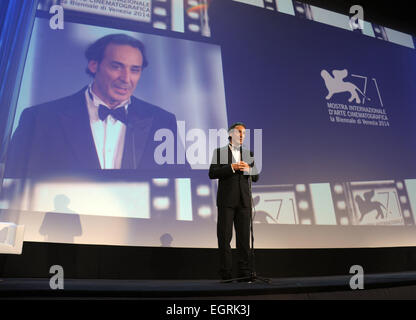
[147,108]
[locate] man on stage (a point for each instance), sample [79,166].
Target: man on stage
[234,167]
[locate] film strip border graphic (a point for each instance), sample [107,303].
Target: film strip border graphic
[186,16]
[162,199]
[270,4]
[196,17]
[372,203]
[162,14]
[191,16]
[369,203]
[181,199]
[283,204]
[309,12]
[359,203]
[350,203]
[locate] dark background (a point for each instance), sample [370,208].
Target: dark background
[398,15]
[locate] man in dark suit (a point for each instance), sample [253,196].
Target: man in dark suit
[100,127]
[234,167]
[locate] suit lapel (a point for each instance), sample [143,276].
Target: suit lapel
[247,157]
[76,126]
[244,155]
[231,158]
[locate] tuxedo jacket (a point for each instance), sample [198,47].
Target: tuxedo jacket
[56,136]
[233,187]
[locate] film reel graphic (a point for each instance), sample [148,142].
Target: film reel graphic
[162,14]
[204,196]
[270,4]
[283,204]
[302,10]
[182,199]
[379,32]
[196,17]
[372,203]
[162,199]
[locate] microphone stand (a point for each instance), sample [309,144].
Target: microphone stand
[253,277]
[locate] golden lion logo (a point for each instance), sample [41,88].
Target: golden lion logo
[336,84]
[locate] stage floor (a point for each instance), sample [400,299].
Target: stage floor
[376,286]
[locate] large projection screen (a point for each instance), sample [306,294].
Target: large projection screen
[329,113]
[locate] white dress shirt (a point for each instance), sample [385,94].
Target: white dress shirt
[236,154]
[108,134]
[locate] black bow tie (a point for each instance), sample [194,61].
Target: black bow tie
[118,113]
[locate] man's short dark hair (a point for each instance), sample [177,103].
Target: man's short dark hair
[235,125]
[96,50]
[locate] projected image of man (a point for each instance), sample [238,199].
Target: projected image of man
[232,165]
[102,126]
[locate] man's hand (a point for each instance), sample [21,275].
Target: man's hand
[241,166]
[244,166]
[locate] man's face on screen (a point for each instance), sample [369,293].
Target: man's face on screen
[118,73]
